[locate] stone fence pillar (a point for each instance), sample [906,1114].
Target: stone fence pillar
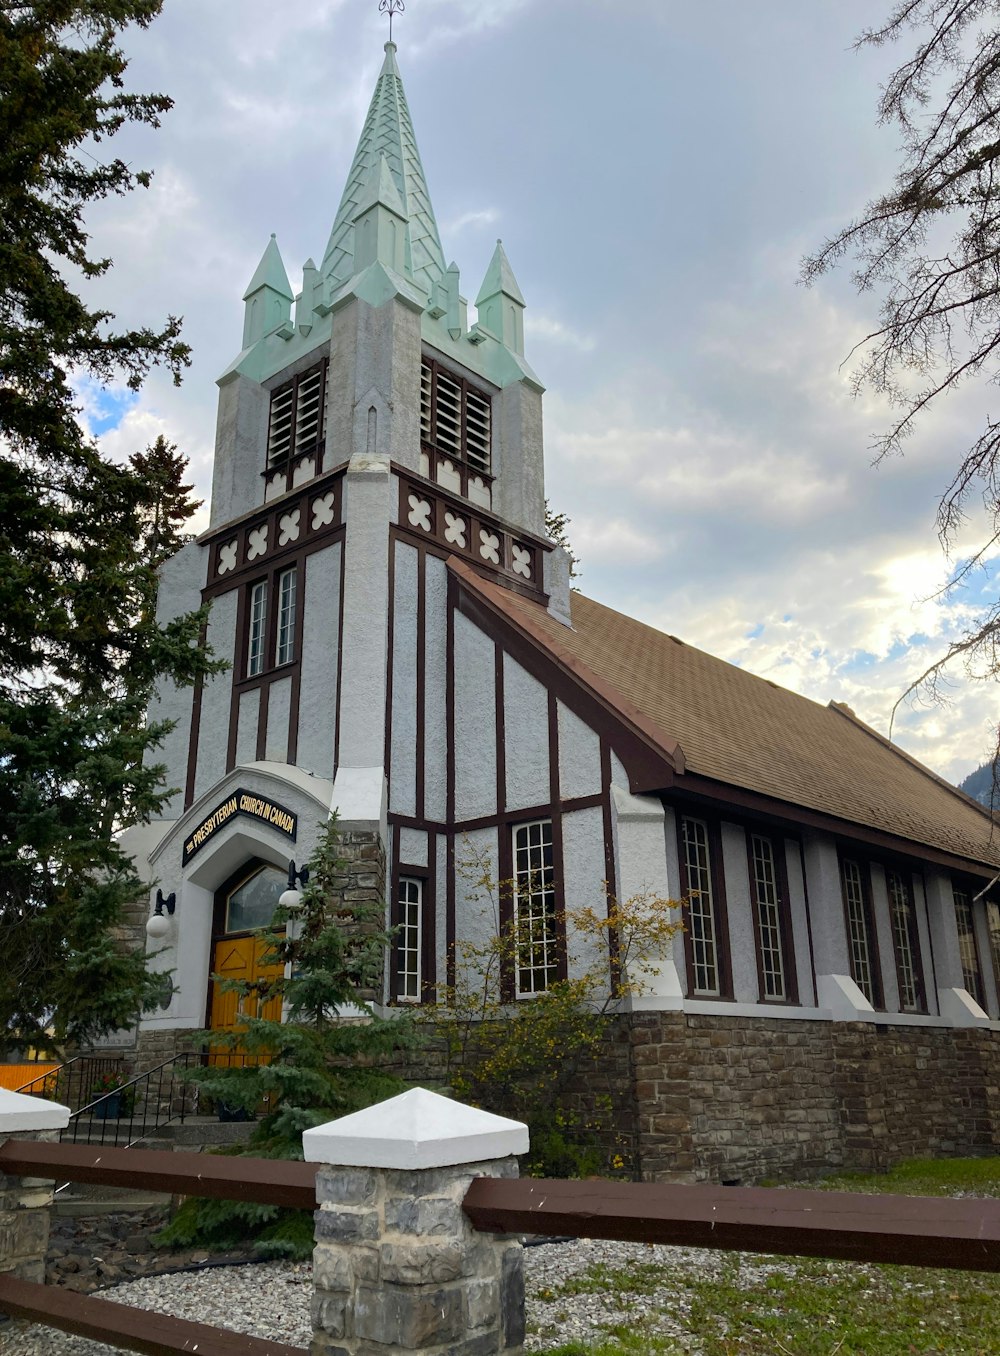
[397,1266]
[25,1201]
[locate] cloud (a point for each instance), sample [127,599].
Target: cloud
[549,330]
[486,216]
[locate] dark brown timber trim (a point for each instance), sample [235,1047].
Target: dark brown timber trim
[449,937]
[140,1330]
[192,763]
[500,730]
[610,867]
[767,808]
[421,681]
[267,1181]
[938,1231]
[558,855]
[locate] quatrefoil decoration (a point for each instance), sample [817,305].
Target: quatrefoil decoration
[420,513]
[521,560]
[454,530]
[288,527]
[323,510]
[227,557]
[489,547]
[256,542]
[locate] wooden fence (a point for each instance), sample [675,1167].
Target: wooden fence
[918,1231]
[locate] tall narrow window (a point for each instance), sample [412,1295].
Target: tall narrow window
[257,637]
[771,910]
[972,976]
[701,921]
[860,934]
[906,943]
[410,900]
[285,652]
[993,925]
[536,933]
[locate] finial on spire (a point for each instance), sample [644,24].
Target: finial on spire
[391,7]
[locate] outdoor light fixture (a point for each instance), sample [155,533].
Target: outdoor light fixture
[158,925]
[291,899]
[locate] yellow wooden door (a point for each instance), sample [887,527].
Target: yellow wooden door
[240,958]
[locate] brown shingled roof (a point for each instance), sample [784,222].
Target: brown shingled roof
[748,732]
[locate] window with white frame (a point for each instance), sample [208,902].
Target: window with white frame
[410,900]
[536,933]
[906,942]
[257,633]
[859,931]
[767,897]
[702,927]
[972,976]
[271,622]
[993,927]
[285,649]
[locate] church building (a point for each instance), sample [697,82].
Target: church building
[406,650]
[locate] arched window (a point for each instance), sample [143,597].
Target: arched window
[249,904]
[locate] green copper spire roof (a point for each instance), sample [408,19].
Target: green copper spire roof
[499,279]
[270,273]
[388,132]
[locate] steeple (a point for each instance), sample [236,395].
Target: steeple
[268,297]
[500,304]
[388,132]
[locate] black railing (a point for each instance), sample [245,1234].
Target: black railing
[73,1083]
[137,1108]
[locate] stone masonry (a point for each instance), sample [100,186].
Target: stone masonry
[24,1218]
[399,1268]
[739,1099]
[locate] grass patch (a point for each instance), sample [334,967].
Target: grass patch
[744,1305]
[924,1177]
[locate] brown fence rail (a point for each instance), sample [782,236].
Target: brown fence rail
[134,1329]
[268,1181]
[913,1230]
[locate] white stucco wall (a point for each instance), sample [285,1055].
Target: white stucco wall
[402,775]
[436,689]
[579,756]
[246,726]
[526,737]
[213,732]
[475,722]
[320,647]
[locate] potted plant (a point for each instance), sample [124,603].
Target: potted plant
[116,1098]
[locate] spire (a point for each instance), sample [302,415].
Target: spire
[500,304]
[268,298]
[270,273]
[388,132]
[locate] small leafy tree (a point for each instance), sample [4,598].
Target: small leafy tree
[524,1059]
[325,1059]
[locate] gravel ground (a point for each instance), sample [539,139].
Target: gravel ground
[272,1299]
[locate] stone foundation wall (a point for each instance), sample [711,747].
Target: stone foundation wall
[740,1099]
[24,1218]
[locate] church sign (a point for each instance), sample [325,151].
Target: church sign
[241,803]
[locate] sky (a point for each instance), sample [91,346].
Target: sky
[656,174]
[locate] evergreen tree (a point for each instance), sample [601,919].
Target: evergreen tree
[325,1059]
[80,539]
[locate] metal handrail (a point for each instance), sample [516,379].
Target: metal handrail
[58,1082]
[138,1092]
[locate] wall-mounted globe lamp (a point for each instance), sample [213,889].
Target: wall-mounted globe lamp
[158,923]
[291,899]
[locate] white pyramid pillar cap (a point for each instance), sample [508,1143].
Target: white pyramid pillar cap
[417,1129]
[20,1112]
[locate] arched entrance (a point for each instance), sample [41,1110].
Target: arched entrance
[244,907]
